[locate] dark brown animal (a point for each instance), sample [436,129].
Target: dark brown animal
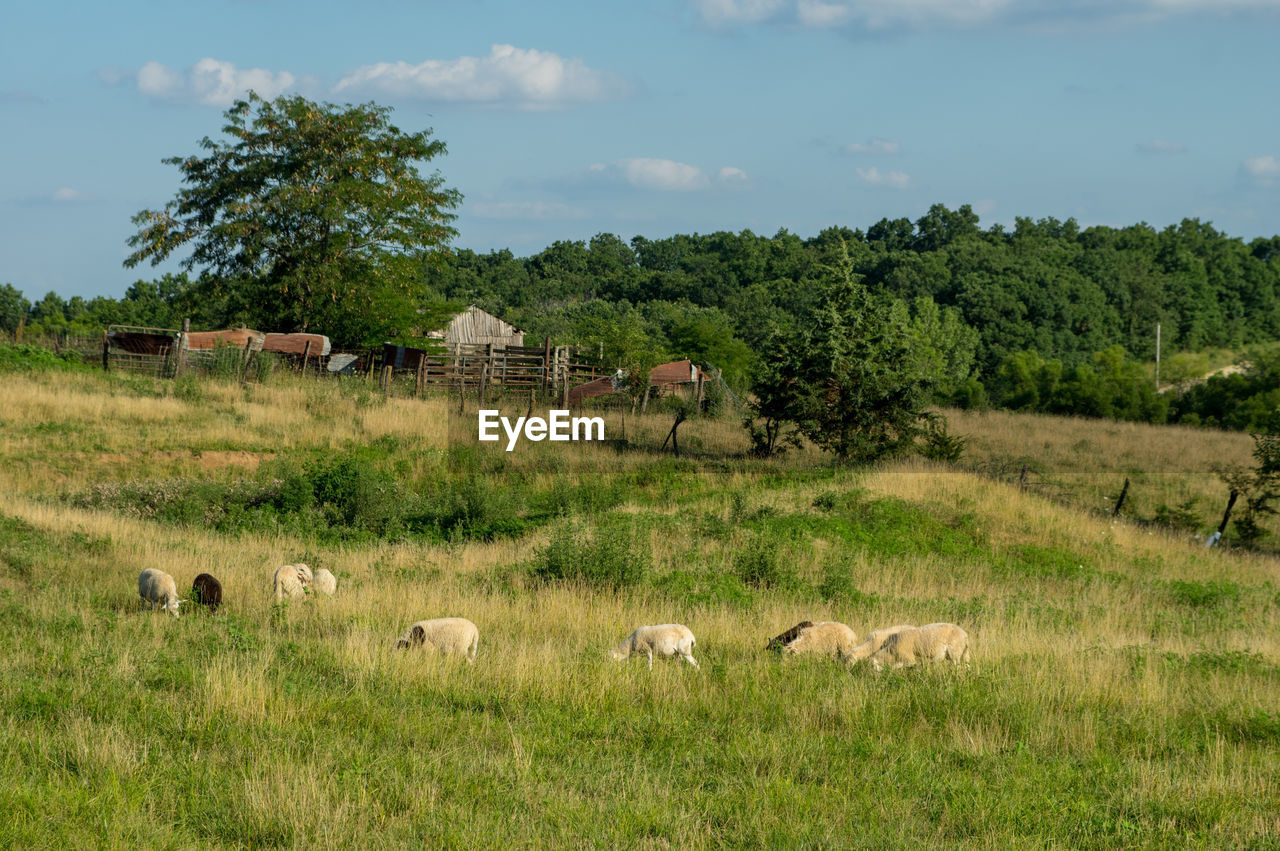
[207,591]
[787,637]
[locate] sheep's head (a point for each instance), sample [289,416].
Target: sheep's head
[619,653]
[417,636]
[172,605]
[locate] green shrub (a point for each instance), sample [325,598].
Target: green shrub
[1203,595]
[616,554]
[24,357]
[759,563]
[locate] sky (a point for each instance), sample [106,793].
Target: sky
[565,119]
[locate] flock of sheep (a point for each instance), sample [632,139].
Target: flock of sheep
[894,646]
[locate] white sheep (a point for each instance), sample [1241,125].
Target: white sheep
[929,643]
[874,642]
[445,635]
[827,638]
[292,582]
[158,588]
[325,582]
[668,639]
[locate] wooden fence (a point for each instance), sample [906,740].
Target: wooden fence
[514,369]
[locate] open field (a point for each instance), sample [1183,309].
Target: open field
[1124,688]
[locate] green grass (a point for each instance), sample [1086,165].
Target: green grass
[1123,691]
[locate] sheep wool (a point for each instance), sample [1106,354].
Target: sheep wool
[325,582]
[827,638]
[930,643]
[874,642]
[450,636]
[292,582]
[207,591]
[158,588]
[670,639]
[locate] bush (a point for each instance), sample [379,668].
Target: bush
[23,357]
[615,555]
[759,563]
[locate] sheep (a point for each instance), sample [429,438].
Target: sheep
[780,641]
[874,642]
[292,582]
[158,588]
[668,639]
[207,591]
[930,643]
[325,582]
[829,638]
[445,635]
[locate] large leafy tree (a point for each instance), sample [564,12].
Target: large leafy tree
[308,217]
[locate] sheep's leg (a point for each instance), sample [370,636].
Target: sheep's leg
[688,657]
[650,660]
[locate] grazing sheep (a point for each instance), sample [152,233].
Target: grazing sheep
[828,638]
[930,643]
[158,588]
[207,592]
[292,582]
[874,642]
[445,635]
[669,639]
[325,582]
[780,641]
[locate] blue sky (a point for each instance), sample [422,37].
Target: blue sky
[565,119]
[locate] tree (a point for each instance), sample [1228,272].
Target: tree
[308,217]
[13,308]
[848,377]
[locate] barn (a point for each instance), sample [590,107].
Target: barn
[474,326]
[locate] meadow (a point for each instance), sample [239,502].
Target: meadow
[1123,691]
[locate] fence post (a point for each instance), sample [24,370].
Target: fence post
[306,354]
[546,365]
[417,379]
[180,365]
[386,381]
[484,379]
[106,349]
[1124,491]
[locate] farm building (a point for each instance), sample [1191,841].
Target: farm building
[664,378]
[474,326]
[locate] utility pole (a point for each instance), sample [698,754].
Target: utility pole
[1157,357]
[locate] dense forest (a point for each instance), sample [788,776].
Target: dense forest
[1046,316]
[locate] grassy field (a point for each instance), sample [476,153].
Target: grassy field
[1124,688]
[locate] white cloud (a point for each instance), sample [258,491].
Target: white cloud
[875,146]
[1264,170]
[532,79]
[535,210]
[666,175]
[1161,146]
[730,174]
[814,13]
[209,81]
[730,12]
[891,179]
[67,194]
[934,14]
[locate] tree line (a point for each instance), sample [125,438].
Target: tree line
[308,216]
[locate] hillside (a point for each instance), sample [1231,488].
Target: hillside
[1123,689]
